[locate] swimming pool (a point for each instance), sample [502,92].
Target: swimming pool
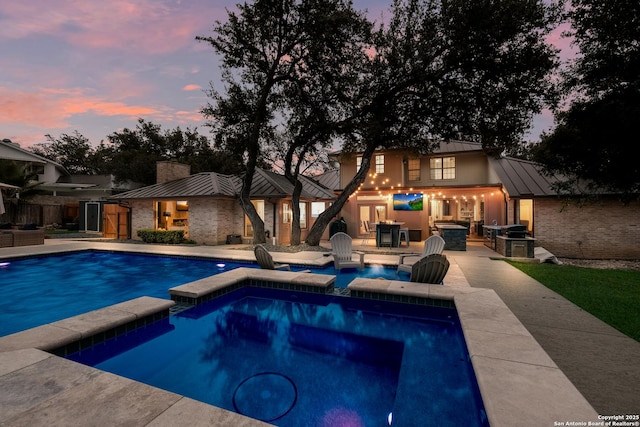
[300,359]
[45,289]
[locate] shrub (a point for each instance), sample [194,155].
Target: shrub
[171,237]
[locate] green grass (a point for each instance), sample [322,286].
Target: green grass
[613,296]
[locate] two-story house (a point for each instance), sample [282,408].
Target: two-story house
[459,183]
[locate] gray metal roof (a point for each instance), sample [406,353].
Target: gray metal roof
[522,178]
[206,184]
[329,179]
[268,184]
[211,184]
[457,147]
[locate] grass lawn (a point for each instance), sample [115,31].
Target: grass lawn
[613,296]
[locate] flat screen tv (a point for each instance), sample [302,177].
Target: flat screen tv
[407,202]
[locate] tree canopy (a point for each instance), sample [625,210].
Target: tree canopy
[437,70]
[594,140]
[131,154]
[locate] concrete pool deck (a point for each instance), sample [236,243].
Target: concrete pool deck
[38,388]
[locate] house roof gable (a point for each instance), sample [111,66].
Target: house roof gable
[211,184]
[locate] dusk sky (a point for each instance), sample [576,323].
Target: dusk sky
[96,67]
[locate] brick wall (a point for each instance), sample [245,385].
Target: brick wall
[142,216]
[170,170]
[602,230]
[211,220]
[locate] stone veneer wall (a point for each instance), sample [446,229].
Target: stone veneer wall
[603,230]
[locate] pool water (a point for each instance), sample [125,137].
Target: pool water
[295,359]
[40,290]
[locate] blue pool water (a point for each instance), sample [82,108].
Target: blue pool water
[296,359]
[41,290]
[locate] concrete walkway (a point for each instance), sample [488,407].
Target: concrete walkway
[600,361]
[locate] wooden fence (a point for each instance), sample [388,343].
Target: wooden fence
[24,212]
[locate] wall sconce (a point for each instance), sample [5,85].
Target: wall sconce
[166,214]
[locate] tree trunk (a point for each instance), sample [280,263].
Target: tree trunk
[315,234]
[295,208]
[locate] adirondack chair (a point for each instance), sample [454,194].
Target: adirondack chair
[265,260]
[433,245]
[430,269]
[341,249]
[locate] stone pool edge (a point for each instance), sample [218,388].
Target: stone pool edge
[519,383]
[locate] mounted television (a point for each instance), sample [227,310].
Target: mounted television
[407,202]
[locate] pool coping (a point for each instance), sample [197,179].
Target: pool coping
[519,383]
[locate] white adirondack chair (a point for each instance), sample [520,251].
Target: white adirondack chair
[341,249]
[433,245]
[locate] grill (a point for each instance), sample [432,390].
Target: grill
[515,231]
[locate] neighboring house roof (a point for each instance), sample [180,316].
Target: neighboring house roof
[522,178]
[12,151]
[211,184]
[102,182]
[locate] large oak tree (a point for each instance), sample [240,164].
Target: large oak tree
[595,140]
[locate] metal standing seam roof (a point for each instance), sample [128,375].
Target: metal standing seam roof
[329,179]
[205,184]
[522,178]
[270,184]
[211,184]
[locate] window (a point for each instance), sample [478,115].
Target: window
[287,215]
[442,168]
[414,169]
[303,215]
[358,163]
[379,163]
[316,209]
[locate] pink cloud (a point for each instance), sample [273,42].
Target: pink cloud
[148,26]
[191,87]
[52,108]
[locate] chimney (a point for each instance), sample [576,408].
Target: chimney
[170,170]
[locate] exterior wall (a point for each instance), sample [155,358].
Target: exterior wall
[211,220]
[603,230]
[471,169]
[142,216]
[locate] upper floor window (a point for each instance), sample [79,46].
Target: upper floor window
[442,168]
[413,167]
[379,163]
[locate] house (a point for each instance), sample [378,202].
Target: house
[206,205]
[459,183]
[61,197]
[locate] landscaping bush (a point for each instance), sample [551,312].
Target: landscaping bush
[171,237]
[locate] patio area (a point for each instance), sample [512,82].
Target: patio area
[605,371]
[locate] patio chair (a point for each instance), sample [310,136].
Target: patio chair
[369,232]
[265,260]
[341,249]
[430,269]
[433,245]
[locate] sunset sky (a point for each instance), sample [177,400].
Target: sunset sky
[96,67]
